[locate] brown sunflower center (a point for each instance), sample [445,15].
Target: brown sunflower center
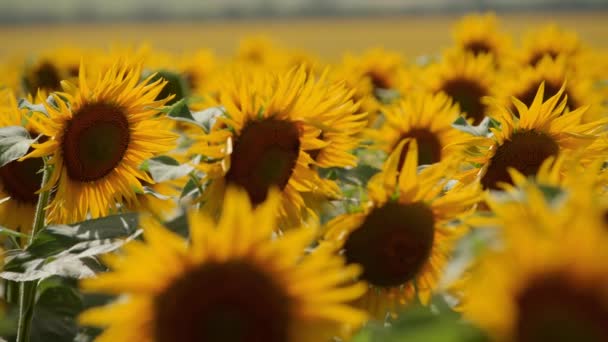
[95,141]
[232,301]
[553,308]
[429,147]
[478,47]
[46,76]
[551,89]
[467,93]
[393,243]
[264,155]
[525,152]
[539,55]
[379,81]
[21,180]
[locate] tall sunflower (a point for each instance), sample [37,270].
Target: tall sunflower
[231,282]
[425,117]
[479,34]
[273,123]
[46,71]
[526,140]
[19,180]
[551,41]
[548,278]
[98,135]
[403,236]
[464,77]
[579,91]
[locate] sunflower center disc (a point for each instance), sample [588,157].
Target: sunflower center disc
[537,57]
[228,302]
[525,152]
[21,180]
[553,308]
[429,147]
[478,47]
[95,141]
[393,243]
[468,94]
[378,80]
[264,155]
[46,77]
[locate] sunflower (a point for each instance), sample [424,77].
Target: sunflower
[548,278]
[551,41]
[404,235]
[157,199]
[466,79]
[19,180]
[524,141]
[99,134]
[579,92]
[46,71]
[425,117]
[479,34]
[216,288]
[273,123]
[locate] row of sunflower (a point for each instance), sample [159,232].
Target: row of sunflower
[271,197]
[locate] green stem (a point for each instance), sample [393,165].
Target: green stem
[27,289]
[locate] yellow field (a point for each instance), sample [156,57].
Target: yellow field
[330,38]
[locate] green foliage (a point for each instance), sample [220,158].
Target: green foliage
[14,143]
[437,323]
[164,168]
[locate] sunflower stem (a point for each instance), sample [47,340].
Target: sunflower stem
[27,289]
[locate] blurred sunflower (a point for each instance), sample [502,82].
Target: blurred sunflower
[99,134]
[404,235]
[548,278]
[549,40]
[425,117]
[46,71]
[579,92]
[466,79]
[273,123]
[231,282]
[525,141]
[158,199]
[19,180]
[479,34]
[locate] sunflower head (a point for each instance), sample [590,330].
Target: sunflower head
[549,41]
[526,140]
[401,237]
[232,282]
[274,124]
[98,136]
[424,117]
[47,70]
[466,79]
[479,34]
[545,276]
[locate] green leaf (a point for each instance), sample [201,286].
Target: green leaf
[14,143]
[179,225]
[436,323]
[181,112]
[175,85]
[163,168]
[25,104]
[10,232]
[208,117]
[480,130]
[70,250]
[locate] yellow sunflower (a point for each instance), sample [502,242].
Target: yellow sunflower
[403,236]
[547,281]
[479,34]
[526,140]
[464,77]
[99,134]
[46,71]
[549,40]
[273,123]
[580,90]
[158,199]
[425,117]
[19,180]
[231,282]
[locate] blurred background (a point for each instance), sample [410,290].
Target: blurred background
[326,27]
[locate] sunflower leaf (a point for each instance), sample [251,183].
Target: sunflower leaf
[164,168]
[14,143]
[481,130]
[70,250]
[180,111]
[208,117]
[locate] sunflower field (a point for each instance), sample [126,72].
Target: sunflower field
[152,196]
